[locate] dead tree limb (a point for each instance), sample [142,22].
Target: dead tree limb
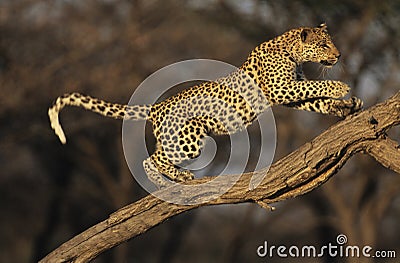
[296,174]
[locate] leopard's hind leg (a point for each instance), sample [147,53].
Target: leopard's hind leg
[158,165]
[170,152]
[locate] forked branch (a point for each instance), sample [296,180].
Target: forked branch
[298,173]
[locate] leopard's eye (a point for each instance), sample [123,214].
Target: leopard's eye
[325,46]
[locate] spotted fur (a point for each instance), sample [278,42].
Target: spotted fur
[271,75]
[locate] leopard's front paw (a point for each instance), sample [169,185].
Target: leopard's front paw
[347,107]
[357,104]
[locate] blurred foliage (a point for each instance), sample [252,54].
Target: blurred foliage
[49,192]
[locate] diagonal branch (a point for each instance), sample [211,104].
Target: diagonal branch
[387,152]
[296,174]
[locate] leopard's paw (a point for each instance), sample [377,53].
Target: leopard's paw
[344,108]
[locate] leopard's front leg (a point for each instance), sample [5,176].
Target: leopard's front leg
[340,108]
[296,91]
[322,96]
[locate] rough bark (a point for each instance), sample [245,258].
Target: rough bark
[296,174]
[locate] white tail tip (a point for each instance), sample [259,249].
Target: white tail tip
[55,124]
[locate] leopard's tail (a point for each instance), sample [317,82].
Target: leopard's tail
[112,110]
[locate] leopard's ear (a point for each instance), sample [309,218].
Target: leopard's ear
[323,27]
[305,34]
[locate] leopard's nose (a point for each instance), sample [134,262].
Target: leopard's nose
[338,55]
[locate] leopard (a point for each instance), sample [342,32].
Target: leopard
[271,75]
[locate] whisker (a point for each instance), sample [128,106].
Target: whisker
[321,73]
[324,71]
[341,68]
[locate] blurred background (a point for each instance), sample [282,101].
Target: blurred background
[50,192]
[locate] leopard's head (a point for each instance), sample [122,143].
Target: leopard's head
[315,45]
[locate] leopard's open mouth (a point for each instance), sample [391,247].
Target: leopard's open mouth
[328,63]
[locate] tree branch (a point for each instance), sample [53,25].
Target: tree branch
[387,152]
[296,174]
